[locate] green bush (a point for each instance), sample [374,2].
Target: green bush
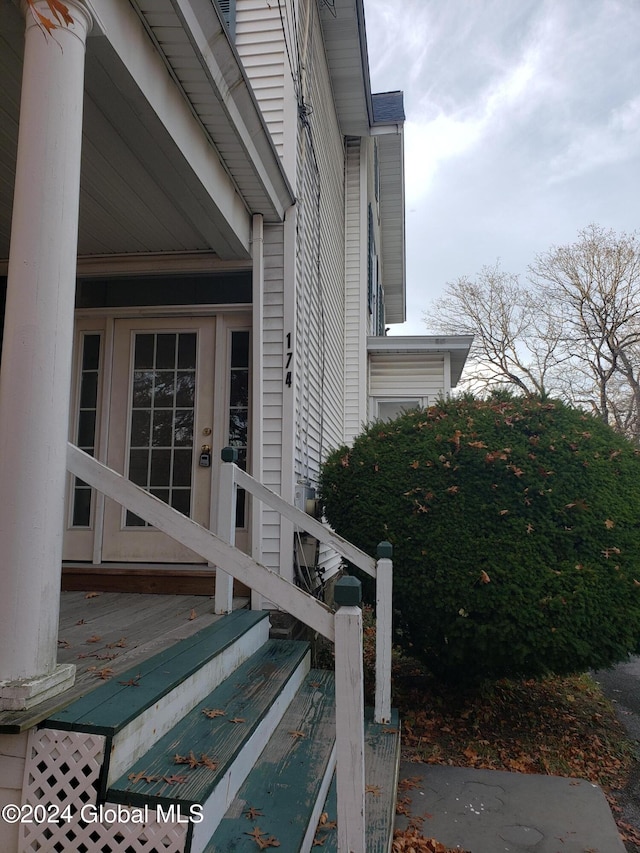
[515,526]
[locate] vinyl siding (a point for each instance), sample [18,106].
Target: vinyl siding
[320,267]
[272,412]
[356,312]
[320,270]
[407,376]
[260,44]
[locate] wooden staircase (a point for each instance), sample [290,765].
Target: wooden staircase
[224,742]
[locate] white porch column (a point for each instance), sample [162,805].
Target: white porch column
[257,388]
[36,359]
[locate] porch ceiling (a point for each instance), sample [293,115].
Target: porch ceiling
[143,188]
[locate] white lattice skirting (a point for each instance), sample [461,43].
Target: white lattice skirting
[61,775]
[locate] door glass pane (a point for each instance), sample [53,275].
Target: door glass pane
[162,417]
[85,430]
[237,434]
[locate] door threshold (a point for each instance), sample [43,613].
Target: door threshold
[147,578]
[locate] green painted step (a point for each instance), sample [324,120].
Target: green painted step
[245,697]
[110,707]
[289,781]
[381,765]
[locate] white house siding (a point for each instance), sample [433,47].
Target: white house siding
[272,413]
[319,356]
[406,377]
[261,29]
[260,44]
[355,386]
[320,272]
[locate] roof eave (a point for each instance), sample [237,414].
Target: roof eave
[252,160]
[392,222]
[457,346]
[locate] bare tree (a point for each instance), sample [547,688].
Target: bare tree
[573,331]
[594,286]
[514,342]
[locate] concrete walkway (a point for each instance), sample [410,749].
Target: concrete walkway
[490,811]
[621,685]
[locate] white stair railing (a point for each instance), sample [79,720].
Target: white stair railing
[231,478]
[343,628]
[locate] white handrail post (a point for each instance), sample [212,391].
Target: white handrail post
[384,617]
[349,717]
[226,525]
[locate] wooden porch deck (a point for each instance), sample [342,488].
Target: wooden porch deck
[106,633]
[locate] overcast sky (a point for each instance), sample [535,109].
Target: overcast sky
[523,126]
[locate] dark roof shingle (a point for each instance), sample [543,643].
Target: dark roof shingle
[388,107]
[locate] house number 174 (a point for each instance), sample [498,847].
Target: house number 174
[289,358]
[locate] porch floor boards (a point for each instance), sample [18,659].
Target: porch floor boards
[114,631]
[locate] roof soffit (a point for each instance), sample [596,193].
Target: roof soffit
[192,39]
[345,41]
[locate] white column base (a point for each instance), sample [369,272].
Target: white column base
[24,693]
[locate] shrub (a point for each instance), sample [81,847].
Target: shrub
[515,531]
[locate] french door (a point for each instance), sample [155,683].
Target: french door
[162,390]
[152,395]
[144,405]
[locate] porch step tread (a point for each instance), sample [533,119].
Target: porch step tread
[381,765]
[213,742]
[288,783]
[113,705]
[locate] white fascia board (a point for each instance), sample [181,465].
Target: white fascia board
[392,222]
[345,38]
[455,346]
[418,343]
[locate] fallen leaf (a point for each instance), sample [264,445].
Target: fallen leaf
[609,524]
[136,777]
[484,577]
[64,644]
[255,833]
[252,813]
[238,720]
[143,776]
[104,674]
[263,843]
[373,789]
[207,762]
[121,644]
[132,682]
[297,734]
[91,595]
[94,639]
[190,759]
[174,779]
[193,615]
[212,713]
[409,783]
[81,622]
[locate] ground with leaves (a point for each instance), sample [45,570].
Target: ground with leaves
[557,726]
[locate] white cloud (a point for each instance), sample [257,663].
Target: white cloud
[600,145]
[523,125]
